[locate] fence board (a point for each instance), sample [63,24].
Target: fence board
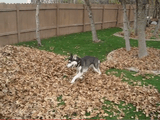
[84,18]
[18,24]
[120,16]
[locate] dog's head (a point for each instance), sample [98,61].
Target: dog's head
[73,61]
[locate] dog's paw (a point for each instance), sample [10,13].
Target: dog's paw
[99,73]
[81,77]
[72,82]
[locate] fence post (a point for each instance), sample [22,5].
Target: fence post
[18,23]
[103,16]
[57,20]
[117,23]
[84,18]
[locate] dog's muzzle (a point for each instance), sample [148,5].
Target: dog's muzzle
[72,64]
[69,65]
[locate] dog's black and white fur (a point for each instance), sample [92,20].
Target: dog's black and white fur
[82,65]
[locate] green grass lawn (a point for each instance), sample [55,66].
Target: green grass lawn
[81,44]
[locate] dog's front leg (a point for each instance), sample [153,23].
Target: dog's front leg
[77,76]
[77,71]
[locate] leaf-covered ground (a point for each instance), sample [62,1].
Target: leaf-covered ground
[32,79]
[122,59]
[149,33]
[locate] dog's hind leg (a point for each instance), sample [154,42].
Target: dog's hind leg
[96,68]
[99,71]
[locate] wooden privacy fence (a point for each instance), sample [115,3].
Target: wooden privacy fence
[17,21]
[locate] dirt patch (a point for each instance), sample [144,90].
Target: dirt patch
[31,81]
[149,33]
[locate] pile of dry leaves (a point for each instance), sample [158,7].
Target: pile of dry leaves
[31,80]
[122,59]
[149,33]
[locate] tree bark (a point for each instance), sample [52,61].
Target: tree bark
[158,25]
[94,33]
[126,26]
[142,49]
[151,8]
[155,10]
[37,24]
[135,19]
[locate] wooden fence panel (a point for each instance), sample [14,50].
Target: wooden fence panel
[70,18]
[18,24]
[97,13]
[8,39]
[7,19]
[110,16]
[87,21]
[48,20]
[8,25]
[120,16]
[27,23]
[132,13]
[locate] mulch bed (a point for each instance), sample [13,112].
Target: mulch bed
[122,59]
[32,79]
[149,33]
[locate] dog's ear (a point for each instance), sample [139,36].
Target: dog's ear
[75,57]
[71,56]
[78,58]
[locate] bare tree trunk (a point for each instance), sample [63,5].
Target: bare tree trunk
[155,10]
[126,26]
[152,8]
[142,51]
[37,24]
[94,33]
[147,22]
[135,19]
[135,22]
[158,25]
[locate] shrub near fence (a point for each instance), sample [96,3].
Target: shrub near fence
[18,24]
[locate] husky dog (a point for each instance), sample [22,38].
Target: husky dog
[82,65]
